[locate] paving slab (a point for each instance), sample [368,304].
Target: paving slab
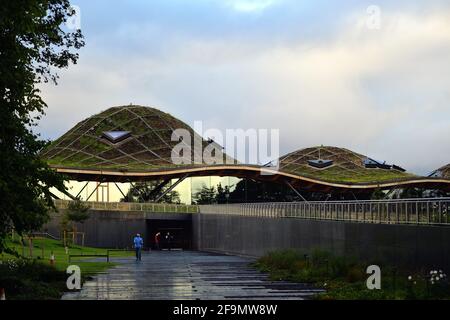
[187,275]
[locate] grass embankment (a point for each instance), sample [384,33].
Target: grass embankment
[345,278]
[28,274]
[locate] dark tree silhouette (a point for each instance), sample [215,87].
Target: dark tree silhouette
[33,45]
[142,192]
[206,195]
[223,194]
[77,212]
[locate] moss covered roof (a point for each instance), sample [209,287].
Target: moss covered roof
[148,147]
[346,167]
[443,172]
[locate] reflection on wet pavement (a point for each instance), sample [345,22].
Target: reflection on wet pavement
[172,275]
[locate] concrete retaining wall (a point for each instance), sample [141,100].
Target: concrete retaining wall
[107,229]
[401,245]
[113,229]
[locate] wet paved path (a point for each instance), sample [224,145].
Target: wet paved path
[191,275]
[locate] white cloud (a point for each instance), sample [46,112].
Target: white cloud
[384,93]
[250,5]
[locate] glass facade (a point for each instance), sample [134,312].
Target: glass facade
[109,191]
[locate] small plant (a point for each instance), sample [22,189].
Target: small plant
[345,277]
[438,283]
[77,212]
[355,274]
[437,277]
[29,279]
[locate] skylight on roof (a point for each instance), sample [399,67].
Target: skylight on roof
[436,174]
[116,136]
[371,163]
[320,163]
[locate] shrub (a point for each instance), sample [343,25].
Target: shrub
[338,267]
[285,259]
[29,279]
[355,274]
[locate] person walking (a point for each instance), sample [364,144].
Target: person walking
[169,239]
[157,240]
[138,244]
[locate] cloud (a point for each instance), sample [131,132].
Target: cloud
[250,5]
[383,92]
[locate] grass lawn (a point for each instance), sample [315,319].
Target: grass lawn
[345,278]
[26,276]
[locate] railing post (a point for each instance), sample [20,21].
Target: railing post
[396,213]
[406,212]
[417,212]
[388,212]
[440,211]
[378,213]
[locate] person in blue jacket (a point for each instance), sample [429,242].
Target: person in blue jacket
[138,244]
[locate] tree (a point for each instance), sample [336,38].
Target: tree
[248,190]
[378,194]
[409,193]
[77,212]
[223,193]
[205,195]
[33,45]
[143,192]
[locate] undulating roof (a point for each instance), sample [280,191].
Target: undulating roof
[130,138]
[443,172]
[132,143]
[335,164]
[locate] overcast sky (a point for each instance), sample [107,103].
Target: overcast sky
[320,71]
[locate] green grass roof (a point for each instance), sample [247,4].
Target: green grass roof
[148,148]
[347,166]
[443,172]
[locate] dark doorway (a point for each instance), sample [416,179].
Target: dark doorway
[179,230]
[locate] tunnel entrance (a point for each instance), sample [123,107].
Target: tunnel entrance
[179,230]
